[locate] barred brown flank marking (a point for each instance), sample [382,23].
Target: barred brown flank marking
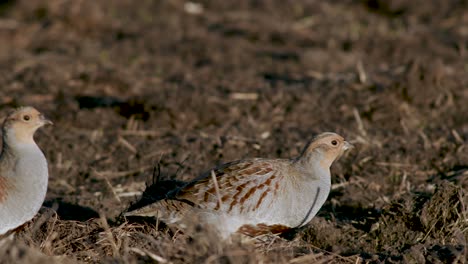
[261,199]
[234,202]
[225,198]
[248,194]
[239,190]
[267,182]
[276,186]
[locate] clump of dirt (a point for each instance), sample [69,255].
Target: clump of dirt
[435,222]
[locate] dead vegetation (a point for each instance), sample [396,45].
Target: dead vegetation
[187,85]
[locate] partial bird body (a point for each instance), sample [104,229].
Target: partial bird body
[23,169]
[256,196]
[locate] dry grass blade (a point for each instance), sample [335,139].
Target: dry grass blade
[218,195]
[140,133]
[147,253]
[359,122]
[110,175]
[110,237]
[244,96]
[361,72]
[127,145]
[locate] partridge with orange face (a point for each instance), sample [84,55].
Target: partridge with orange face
[256,196]
[23,169]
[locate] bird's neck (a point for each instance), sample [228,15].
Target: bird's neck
[14,136]
[313,161]
[13,150]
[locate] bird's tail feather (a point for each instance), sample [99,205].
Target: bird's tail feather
[169,211]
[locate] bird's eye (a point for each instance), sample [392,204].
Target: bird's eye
[26,118]
[334,142]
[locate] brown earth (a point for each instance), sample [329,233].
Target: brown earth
[130,85]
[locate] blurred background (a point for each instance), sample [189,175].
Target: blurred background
[185,86]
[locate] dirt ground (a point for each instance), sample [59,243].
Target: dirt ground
[133,86]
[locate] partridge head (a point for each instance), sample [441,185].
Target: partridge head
[23,168]
[256,196]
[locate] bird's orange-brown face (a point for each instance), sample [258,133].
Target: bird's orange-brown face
[23,122]
[330,145]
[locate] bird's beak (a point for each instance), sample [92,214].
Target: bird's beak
[347,145]
[45,121]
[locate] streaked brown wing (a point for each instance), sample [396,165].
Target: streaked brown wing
[243,186]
